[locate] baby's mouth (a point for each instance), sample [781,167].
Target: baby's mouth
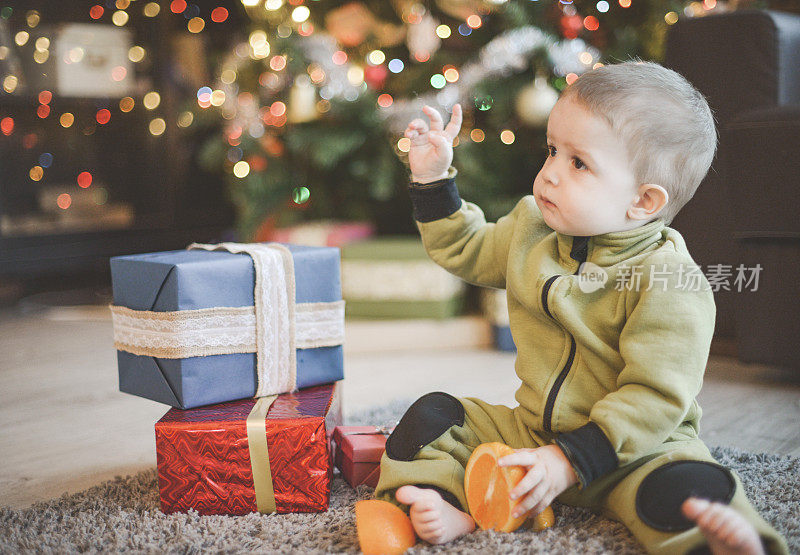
[547,202]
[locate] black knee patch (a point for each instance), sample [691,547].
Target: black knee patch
[663,491]
[428,418]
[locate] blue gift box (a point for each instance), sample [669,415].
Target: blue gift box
[503,340]
[196,279]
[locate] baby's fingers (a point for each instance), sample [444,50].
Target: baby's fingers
[528,482]
[454,126]
[419,125]
[436,118]
[521,457]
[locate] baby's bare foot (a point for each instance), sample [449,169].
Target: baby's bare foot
[434,519]
[727,531]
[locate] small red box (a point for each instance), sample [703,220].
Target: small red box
[204,454]
[358,453]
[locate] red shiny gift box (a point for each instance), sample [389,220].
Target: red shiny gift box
[358,453]
[208,457]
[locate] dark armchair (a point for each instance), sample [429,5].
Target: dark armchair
[747,210]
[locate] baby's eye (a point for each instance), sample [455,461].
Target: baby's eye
[579,165]
[551,150]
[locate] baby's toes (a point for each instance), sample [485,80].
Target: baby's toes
[732,535]
[432,533]
[712,518]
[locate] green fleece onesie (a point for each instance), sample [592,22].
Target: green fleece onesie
[611,361]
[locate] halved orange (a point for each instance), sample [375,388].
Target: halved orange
[383,528]
[488,487]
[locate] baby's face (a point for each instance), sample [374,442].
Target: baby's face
[586,184]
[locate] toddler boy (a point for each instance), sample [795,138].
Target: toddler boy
[610,366]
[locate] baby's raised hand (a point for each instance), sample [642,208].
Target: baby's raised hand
[549,473]
[431,151]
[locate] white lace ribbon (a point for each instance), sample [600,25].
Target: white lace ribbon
[274,328]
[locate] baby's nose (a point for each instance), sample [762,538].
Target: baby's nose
[550,176]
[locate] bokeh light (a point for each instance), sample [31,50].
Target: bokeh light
[7,125]
[10,83]
[355,75]
[151,100]
[196,25]
[376,57]
[477,135]
[43,111]
[118,73]
[404,144]
[217,97]
[507,136]
[66,120]
[45,97]
[36,173]
[151,9]
[396,65]
[300,195]
[443,31]
[136,54]
[96,12]
[241,169]
[227,76]
[300,14]
[185,119]
[305,29]
[591,23]
[103,116]
[451,74]
[119,18]
[45,159]
[602,6]
[385,100]
[438,81]
[84,180]
[64,201]
[625,3]
[277,109]
[571,78]
[474,21]
[157,126]
[671,18]
[277,63]
[218,15]
[339,58]
[177,6]
[484,102]
[21,38]
[126,104]
[32,18]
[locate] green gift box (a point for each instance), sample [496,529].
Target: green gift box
[393,277]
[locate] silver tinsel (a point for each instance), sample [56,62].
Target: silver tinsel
[506,54]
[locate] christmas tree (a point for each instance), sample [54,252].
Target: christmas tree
[315,99]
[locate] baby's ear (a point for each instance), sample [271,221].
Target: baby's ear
[649,200]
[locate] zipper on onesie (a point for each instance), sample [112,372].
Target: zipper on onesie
[579,252]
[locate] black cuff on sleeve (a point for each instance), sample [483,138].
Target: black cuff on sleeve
[434,201]
[589,451]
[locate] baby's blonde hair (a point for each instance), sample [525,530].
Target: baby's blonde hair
[665,123]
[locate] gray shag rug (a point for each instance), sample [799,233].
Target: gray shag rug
[123,515]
